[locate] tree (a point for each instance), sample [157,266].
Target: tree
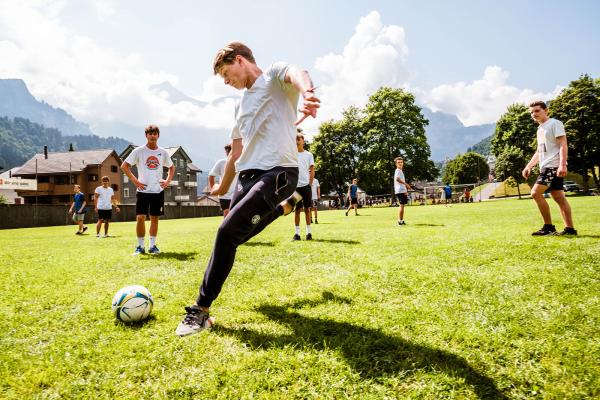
[514,142]
[578,107]
[394,126]
[337,149]
[509,166]
[467,168]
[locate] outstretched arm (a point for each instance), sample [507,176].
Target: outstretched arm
[303,84]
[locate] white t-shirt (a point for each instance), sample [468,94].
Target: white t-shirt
[150,165]
[314,187]
[104,196]
[399,187]
[217,171]
[265,118]
[305,160]
[548,148]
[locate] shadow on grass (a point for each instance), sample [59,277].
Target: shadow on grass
[255,244]
[581,236]
[342,241]
[427,224]
[136,325]
[180,256]
[370,352]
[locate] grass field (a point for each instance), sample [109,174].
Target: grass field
[460,303]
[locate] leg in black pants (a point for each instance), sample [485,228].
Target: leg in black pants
[252,209]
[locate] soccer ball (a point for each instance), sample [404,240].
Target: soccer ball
[132,303]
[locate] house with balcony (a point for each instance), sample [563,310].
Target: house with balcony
[183,187]
[57,172]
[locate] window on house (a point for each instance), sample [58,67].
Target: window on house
[92,178]
[43,179]
[125,179]
[73,179]
[182,163]
[91,197]
[126,192]
[61,179]
[114,168]
[115,187]
[187,177]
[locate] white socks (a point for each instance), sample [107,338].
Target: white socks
[152,241]
[297,230]
[141,242]
[307,229]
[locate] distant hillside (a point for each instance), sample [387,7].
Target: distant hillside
[447,136]
[484,147]
[17,101]
[20,139]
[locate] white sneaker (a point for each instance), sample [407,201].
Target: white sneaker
[194,321]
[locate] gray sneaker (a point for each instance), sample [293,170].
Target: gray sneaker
[194,321]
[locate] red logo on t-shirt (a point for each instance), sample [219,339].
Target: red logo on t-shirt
[152,162]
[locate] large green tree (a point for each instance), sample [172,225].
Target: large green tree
[470,167]
[394,126]
[514,142]
[337,149]
[578,107]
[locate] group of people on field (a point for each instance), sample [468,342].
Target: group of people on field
[267,172]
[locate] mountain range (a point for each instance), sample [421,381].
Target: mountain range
[446,135]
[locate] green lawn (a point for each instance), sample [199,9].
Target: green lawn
[460,303]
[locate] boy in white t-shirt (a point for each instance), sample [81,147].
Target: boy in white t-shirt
[104,198]
[551,154]
[306,174]
[217,171]
[150,197]
[264,153]
[400,189]
[316,196]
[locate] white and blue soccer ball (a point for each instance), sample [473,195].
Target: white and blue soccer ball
[132,303]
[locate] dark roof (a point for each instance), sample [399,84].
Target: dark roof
[192,167]
[69,161]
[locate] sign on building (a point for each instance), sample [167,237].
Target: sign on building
[20,184]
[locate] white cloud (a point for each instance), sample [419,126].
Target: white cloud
[373,57]
[93,83]
[481,101]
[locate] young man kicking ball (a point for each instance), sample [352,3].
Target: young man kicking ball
[400,189]
[306,174]
[150,197]
[551,155]
[265,154]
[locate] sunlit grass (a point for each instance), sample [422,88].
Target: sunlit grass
[460,303]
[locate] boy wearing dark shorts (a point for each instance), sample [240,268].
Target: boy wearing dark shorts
[400,189]
[306,174]
[353,197]
[150,197]
[551,154]
[265,154]
[104,198]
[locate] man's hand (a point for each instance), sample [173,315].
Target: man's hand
[118,209]
[139,185]
[562,171]
[310,104]
[96,209]
[164,183]
[217,190]
[526,172]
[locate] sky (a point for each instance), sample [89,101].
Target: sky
[101,60]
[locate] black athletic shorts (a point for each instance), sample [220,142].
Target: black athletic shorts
[548,177]
[354,200]
[306,193]
[104,214]
[224,203]
[402,198]
[152,204]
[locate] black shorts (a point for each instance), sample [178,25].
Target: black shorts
[104,214]
[548,177]
[306,193]
[402,198]
[224,203]
[353,200]
[152,204]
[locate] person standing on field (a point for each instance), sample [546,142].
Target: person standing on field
[316,196]
[400,189]
[352,196]
[78,209]
[150,197]
[551,155]
[104,199]
[265,154]
[306,174]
